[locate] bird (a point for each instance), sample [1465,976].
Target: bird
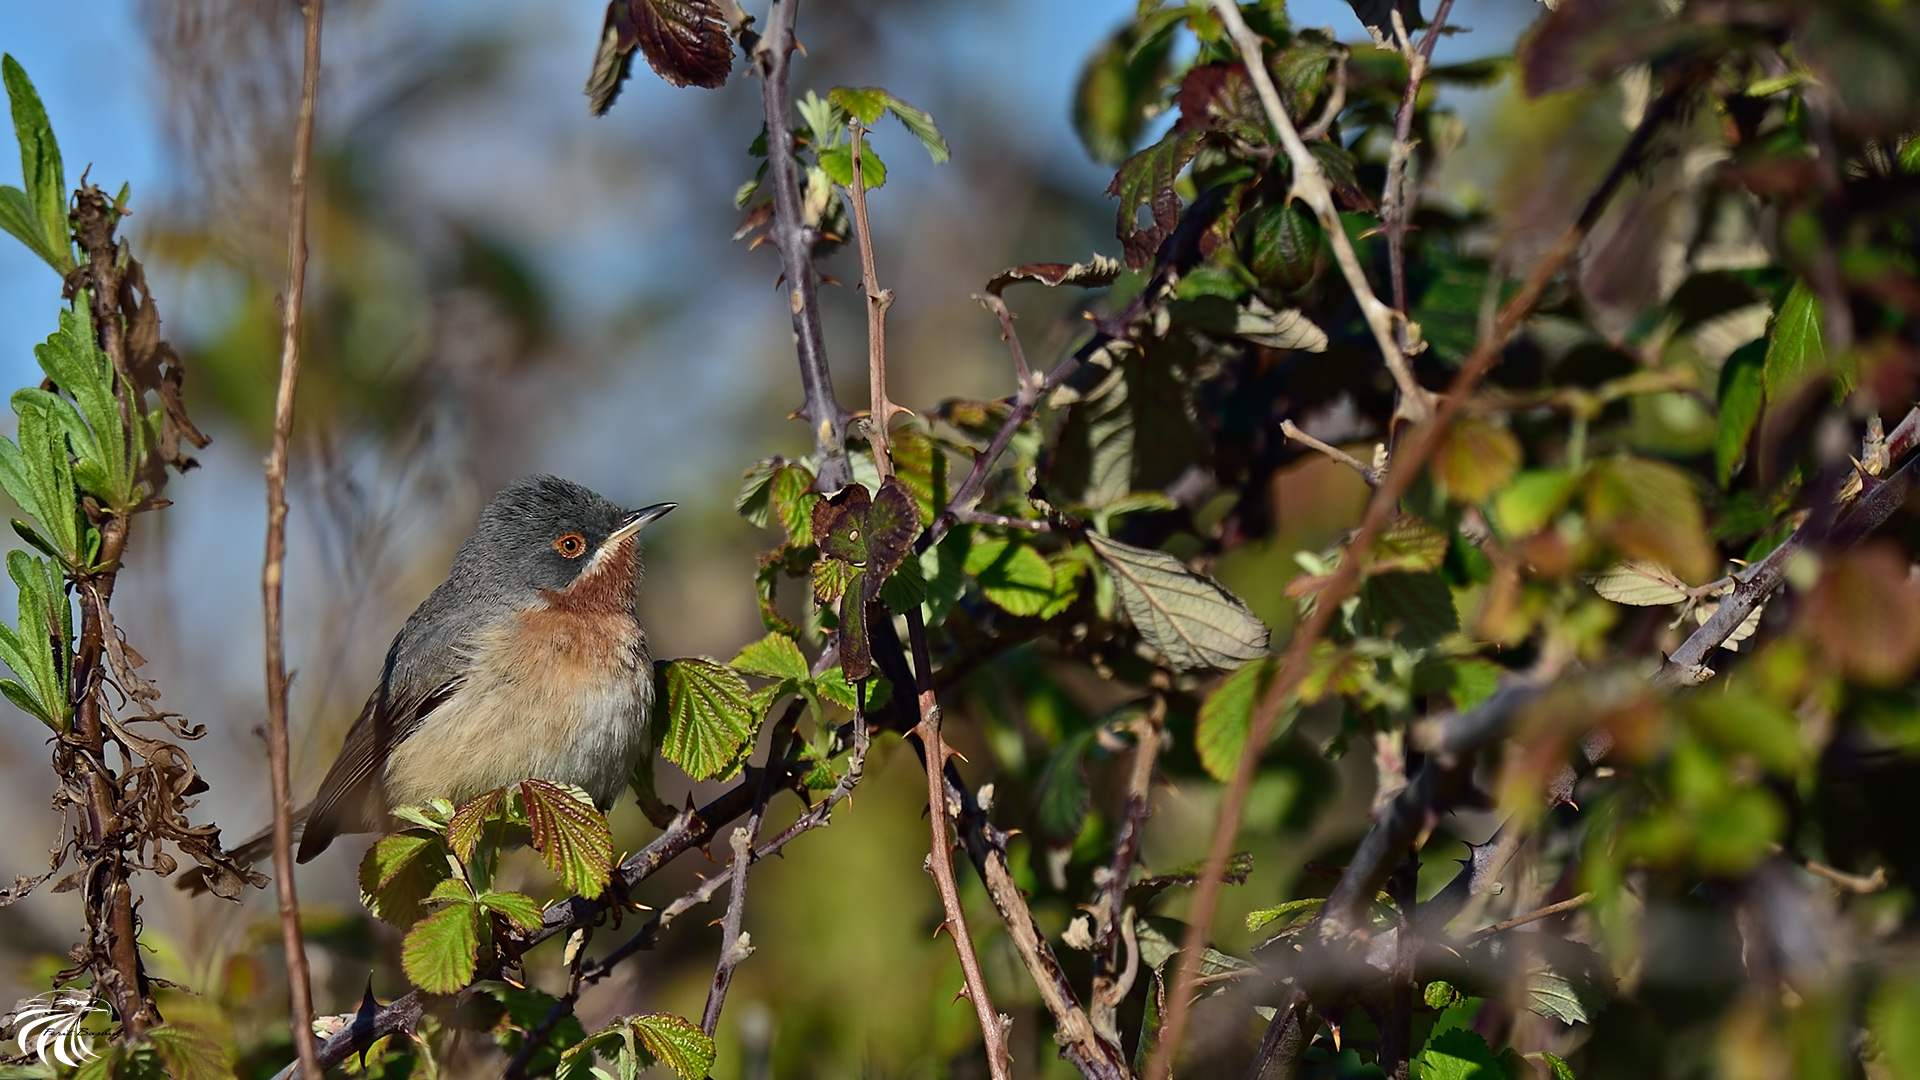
[527,662]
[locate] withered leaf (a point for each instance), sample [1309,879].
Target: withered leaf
[686,42]
[1093,274]
[1146,180]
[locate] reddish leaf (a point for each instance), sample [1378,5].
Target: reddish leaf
[1146,180]
[1865,615]
[571,834]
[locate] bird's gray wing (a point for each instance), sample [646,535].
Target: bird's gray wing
[424,667]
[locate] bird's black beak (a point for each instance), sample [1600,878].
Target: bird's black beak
[638,520]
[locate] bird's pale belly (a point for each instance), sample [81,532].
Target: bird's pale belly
[572,709]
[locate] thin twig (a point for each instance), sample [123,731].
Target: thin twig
[1397,199]
[299,988]
[940,855]
[1367,472]
[1853,883]
[1406,468]
[878,301]
[997,304]
[735,945]
[1111,983]
[794,239]
[1310,187]
[978,517]
[1530,917]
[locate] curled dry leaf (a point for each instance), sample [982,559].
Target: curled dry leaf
[1289,329]
[686,42]
[1093,274]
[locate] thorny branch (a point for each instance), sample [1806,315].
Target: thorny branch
[1406,467]
[1398,199]
[879,300]
[794,239]
[1310,187]
[1111,980]
[299,986]
[993,1029]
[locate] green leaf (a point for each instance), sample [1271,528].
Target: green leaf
[1285,248]
[1414,609]
[189,1053]
[1441,995]
[1459,1054]
[1894,1015]
[864,103]
[1013,575]
[1188,617]
[774,656]
[1226,718]
[110,455]
[1062,797]
[39,651]
[1569,982]
[398,872]
[1796,346]
[793,500]
[837,163]
[1740,398]
[833,686]
[464,831]
[675,1042]
[1292,911]
[921,124]
[1408,544]
[440,951]
[1119,90]
[708,715]
[40,478]
[41,169]
[524,1011]
[518,908]
[1534,498]
[1472,681]
[17,218]
[571,833]
[1556,1068]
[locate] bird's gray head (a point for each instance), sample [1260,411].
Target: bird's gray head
[541,533]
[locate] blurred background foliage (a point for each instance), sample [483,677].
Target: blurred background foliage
[503,285]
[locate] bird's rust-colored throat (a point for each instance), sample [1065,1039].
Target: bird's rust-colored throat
[605,585]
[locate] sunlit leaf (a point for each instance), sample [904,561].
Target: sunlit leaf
[1188,617]
[43,205]
[1097,272]
[707,712]
[570,834]
[1291,912]
[398,872]
[463,832]
[440,951]
[1648,510]
[685,41]
[1408,543]
[774,656]
[1641,584]
[1535,498]
[518,908]
[1226,718]
[1459,1054]
[1289,329]
[1014,576]
[1476,459]
[1797,348]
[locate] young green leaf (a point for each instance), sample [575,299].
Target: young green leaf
[440,951]
[1188,617]
[109,453]
[518,908]
[706,714]
[1797,346]
[864,103]
[571,834]
[39,651]
[921,124]
[1226,718]
[398,872]
[774,656]
[1013,575]
[39,475]
[464,831]
[37,216]
[1292,911]
[1740,400]
[1458,1054]
[675,1042]
[837,163]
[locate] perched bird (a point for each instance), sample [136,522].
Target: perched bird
[526,662]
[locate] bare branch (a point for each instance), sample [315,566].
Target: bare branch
[878,301]
[272,575]
[1531,917]
[1111,920]
[1367,472]
[940,812]
[1310,187]
[1398,199]
[794,240]
[735,946]
[1853,883]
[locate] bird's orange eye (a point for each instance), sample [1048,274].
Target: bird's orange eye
[572,545]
